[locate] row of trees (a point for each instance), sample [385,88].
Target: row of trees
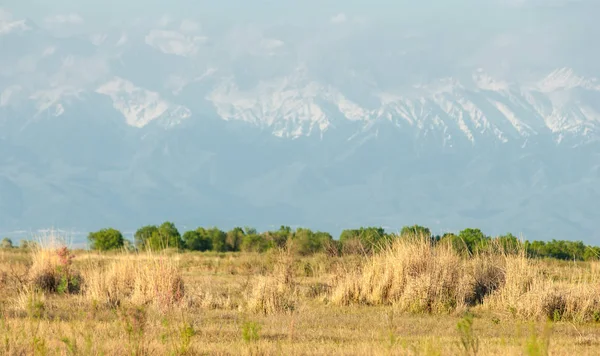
[305,241]
[247,239]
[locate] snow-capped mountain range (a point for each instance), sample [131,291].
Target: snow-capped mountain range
[297,104]
[165,110]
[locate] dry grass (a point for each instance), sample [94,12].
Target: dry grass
[154,280]
[406,301]
[417,276]
[275,293]
[533,290]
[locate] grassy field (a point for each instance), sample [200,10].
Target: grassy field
[411,299]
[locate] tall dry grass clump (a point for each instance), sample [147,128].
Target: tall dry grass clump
[277,292]
[52,266]
[534,290]
[152,280]
[416,275]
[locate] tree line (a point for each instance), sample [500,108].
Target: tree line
[304,241]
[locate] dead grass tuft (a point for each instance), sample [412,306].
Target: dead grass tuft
[139,281]
[275,293]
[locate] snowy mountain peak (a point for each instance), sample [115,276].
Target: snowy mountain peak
[484,81]
[140,106]
[564,79]
[290,106]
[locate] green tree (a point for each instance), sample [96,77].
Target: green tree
[254,243]
[143,234]
[248,230]
[6,243]
[565,250]
[349,234]
[306,242]
[234,239]
[591,253]
[508,243]
[278,238]
[416,231]
[197,240]
[472,240]
[106,239]
[166,236]
[218,239]
[535,248]
[559,249]
[369,239]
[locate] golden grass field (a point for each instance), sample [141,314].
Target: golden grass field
[411,299]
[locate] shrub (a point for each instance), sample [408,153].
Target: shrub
[106,239]
[52,270]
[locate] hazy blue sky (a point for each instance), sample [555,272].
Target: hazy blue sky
[440,12]
[506,37]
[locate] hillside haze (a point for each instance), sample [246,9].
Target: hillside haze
[477,114]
